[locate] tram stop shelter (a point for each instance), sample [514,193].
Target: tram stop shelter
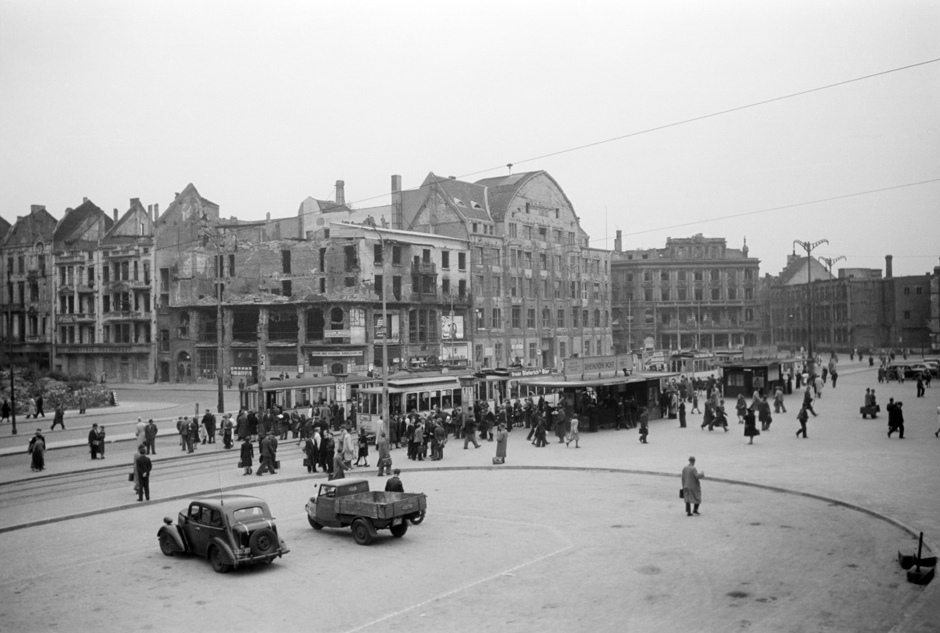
[744,377]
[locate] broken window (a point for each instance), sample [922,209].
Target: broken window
[351,261]
[282,324]
[314,324]
[184,325]
[336,319]
[286,287]
[377,254]
[396,287]
[396,255]
[207,327]
[285,262]
[322,259]
[245,325]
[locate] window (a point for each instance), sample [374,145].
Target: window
[285,262]
[322,285]
[587,347]
[664,276]
[396,287]
[546,317]
[543,233]
[183,324]
[682,294]
[543,261]
[664,293]
[748,314]
[597,318]
[426,256]
[462,288]
[907,291]
[907,313]
[530,318]
[533,352]
[748,294]
[231,268]
[648,294]
[445,286]
[336,319]
[919,290]
[516,317]
[527,259]
[377,254]
[561,318]
[698,294]
[350,260]
[461,261]
[716,294]
[164,340]
[513,229]
[445,260]
[574,317]
[474,225]
[732,294]
[562,350]
[497,317]
[716,275]
[512,287]
[698,275]
[527,231]
[597,291]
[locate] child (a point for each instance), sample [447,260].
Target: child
[247,455]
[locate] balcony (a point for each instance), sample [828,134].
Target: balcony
[416,297]
[127,315]
[78,317]
[422,268]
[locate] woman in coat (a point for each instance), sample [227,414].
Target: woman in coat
[37,448]
[502,439]
[750,426]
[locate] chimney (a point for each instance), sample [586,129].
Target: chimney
[115,215]
[340,192]
[268,218]
[618,242]
[84,200]
[135,201]
[396,202]
[150,210]
[156,211]
[888,267]
[33,208]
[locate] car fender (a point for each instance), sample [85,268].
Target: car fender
[228,556]
[175,537]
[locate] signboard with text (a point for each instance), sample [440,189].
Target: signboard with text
[598,365]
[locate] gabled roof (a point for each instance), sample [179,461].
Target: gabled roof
[469,199]
[795,271]
[38,225]
[87,222]
[4,229]
[128,227]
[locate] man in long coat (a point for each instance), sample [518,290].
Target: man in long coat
[691,487]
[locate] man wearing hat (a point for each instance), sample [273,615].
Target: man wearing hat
[93,442]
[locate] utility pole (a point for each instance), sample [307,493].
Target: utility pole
[808,247]
[10,350]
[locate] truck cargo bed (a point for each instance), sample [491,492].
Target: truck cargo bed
[381,505]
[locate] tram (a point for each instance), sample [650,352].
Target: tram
[292,393]
[418,391]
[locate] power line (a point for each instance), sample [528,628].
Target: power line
[656,129]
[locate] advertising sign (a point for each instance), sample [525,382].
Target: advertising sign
[598,365]
[451,327]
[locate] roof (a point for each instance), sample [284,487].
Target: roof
[501,190]
[4,227]
[795,271]
[559,382]
[232,502]
[38,225]
[128,226]
[468,198]
[79,222]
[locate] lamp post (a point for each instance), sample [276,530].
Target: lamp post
[808,247]
[829,261]
[386,326]
[341,393]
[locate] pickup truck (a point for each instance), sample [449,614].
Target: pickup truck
[349,502]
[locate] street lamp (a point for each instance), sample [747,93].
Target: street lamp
[829,261]
[809,246]
[386,326]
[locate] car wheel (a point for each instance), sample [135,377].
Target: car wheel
[398,531]
[215,557]
[313,523]
[166,544]
[416,519]
[263,542]
[361,532]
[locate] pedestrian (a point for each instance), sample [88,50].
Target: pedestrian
[740,408]
[208,422]
[808,400]
[192,437]
[937,434]
[150,437]
[692,487]
[802,416]
[502,439]
[141,432]
[835,376]
[39,407]
[310,450]
[142,468]
[339,464]
[327,450]
[778,398]
[182,427]
[228,428]
[895,418]
[394,482]
[82,403]
[644,425]
[750,426]
[93,443]
[5,410]
[247,455]
[469,432]
[541,430]
[763,414]
[37,449]
[31,409]
[695,408]
[268,455]
[573,434]
[348,446]
[384,455]
[58,417]
[920,388]
[363,445]
[101,442]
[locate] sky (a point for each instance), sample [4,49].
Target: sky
[261,104]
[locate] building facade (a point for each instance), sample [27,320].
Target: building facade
[694,293]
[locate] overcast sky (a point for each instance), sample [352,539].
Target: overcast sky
[261,104]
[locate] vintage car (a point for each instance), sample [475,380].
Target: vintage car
[229,530]
[349,502]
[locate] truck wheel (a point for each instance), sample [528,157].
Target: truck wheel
[263,542]
[361,532]
[416,519]
[313,524]
[398,531]
[166,545]
[215,557]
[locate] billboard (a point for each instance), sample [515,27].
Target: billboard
[598,365]
[451,327]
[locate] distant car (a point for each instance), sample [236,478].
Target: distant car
[933,366]
[229,530]
[896,370]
